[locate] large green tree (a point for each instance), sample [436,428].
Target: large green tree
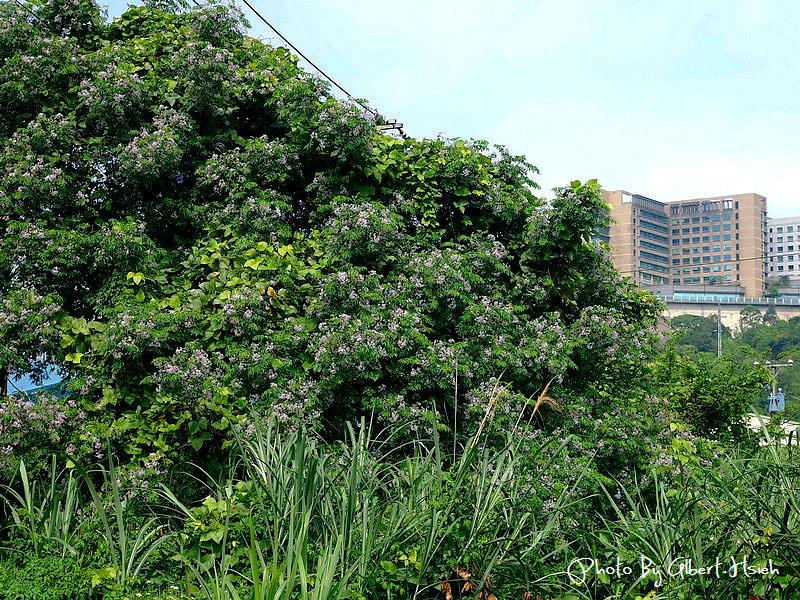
[201,234]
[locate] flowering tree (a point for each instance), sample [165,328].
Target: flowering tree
[202,236]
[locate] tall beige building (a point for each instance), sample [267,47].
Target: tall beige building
[686,246]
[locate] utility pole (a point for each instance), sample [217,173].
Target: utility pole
[719,329]
[774,369]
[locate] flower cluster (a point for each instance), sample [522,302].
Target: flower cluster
[366,233]
[33,168]
[28,330]
[114,97]
[156,151]
[207,77]
[36,426]
[189,375]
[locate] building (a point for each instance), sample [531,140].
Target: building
[783,250]
[639,237]
[687,246]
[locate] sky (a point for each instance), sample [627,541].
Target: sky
[671,100]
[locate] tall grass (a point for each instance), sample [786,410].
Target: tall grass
[748,505]
[345,522]
[45,512]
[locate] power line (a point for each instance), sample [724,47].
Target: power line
[390,124]
[738,260]
[309,61]
[30,12]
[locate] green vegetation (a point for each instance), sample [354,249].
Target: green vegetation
[759,338]
[307,360]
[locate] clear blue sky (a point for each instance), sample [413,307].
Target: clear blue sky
[676,99]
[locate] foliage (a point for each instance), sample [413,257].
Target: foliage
[45,578]
[712,395]
[203,236]
[749,316]
[699,332]
[233,267]
[759,340]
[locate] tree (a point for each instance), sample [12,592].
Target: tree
[710,394]
[698,332]
[204,236]
[770,316]
[749,316]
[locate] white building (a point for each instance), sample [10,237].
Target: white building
[783,248]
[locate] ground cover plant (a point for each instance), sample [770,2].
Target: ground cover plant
[306,359]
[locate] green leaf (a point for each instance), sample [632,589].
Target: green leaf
[102,575]
[389,567]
